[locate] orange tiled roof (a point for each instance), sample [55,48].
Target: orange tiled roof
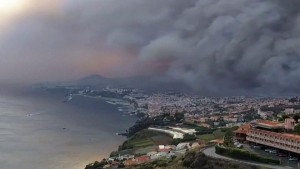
[143,159]
[269,123]
[130,162]
[243,129]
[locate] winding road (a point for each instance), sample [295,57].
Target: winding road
[211,153]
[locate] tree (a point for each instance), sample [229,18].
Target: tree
[293,100]
[297,129]
[280,119]
[296,117]
[228,139]
[285,117]
[186,138]
[179,117]
[97,165]
[189,158]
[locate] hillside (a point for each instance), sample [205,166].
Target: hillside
[195,160]
[191,160]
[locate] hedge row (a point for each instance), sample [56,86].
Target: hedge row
[244,155]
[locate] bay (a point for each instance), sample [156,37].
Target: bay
[38,130]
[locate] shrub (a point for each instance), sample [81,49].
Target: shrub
[194,160]
[186,138]
[189,158]
[161,163]
[96,165]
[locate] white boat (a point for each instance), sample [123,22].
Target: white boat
[111,102]
[68,98]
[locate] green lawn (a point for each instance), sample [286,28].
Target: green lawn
[142,143]
[218,134]
[207,137]
[162,139]
[147,138]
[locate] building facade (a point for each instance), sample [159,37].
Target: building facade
[272,134]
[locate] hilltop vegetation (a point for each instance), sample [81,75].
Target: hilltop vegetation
[146,138]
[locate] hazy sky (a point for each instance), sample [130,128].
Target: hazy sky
[213,45]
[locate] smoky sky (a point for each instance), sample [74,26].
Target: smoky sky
[228,46]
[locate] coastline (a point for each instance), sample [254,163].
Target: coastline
[73,134]
[122,105]
[119,104]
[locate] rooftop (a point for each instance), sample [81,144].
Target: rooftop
[143,159]
[243,129]
[267,124]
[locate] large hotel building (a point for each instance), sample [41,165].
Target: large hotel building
[270,133]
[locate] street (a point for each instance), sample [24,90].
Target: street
[211,153]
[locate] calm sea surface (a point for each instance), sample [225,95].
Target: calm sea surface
[39,131]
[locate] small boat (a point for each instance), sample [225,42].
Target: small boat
[68,98]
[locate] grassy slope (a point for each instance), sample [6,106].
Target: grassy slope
[218,134]
[194,160]
[148,138]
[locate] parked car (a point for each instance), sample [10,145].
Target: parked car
[273,151]
[257,147]
[268,150]
[282,155]
[293,158]
[239,146]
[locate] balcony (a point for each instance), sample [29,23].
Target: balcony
[275,144]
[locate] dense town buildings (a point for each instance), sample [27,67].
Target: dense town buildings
[261,120]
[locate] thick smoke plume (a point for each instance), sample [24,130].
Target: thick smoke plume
[216,46]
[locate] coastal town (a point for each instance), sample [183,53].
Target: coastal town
[171,124]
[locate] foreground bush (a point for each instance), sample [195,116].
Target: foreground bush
[97,165]
[194,160]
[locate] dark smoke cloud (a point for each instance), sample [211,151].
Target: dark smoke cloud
[216,46]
